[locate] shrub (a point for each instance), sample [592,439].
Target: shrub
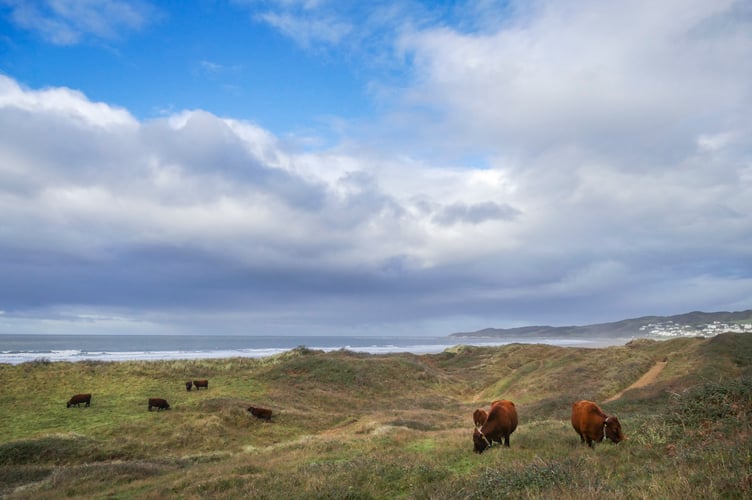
[712,403]
[534,478]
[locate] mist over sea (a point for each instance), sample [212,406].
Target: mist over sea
[15,349]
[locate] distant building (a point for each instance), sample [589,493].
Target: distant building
[671,329]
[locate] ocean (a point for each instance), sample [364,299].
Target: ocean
[15,349]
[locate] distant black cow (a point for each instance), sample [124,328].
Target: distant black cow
[159,404]
[201,383]
[262,413]
[188,385]
[78,399]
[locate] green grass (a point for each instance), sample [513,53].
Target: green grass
[349,425]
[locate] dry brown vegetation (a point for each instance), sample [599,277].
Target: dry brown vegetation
[352,425]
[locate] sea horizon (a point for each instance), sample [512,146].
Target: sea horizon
[20,348]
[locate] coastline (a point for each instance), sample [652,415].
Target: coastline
[17,349]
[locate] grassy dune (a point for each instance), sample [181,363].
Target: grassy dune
[348,425]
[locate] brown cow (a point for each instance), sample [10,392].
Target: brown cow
[501,423]
[590,422]
[78,399]
[188,386]
[201,383]
[159,404]
[479,417]
[262,413]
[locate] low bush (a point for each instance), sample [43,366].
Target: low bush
[713,403]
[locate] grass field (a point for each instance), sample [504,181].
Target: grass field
[348,425]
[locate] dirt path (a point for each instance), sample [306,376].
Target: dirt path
[648,378]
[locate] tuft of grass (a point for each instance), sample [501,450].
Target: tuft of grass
[14,476]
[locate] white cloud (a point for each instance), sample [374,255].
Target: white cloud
[61,102]
[308,32]
[632,80]
[67,22]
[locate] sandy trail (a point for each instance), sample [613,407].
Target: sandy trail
[647,379]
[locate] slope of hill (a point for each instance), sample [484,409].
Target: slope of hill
[689,324]
[350,425]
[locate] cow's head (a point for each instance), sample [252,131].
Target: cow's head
[613,429]
[480,442]
[479,417]
[188,385]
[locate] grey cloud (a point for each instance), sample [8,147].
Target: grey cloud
[169,215]
[362,200]
[461,213]
[64,150]
[206,148]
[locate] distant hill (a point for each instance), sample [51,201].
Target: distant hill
[688,324]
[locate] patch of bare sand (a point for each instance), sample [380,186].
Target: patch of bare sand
[647,378]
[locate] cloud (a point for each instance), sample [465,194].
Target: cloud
[360,30]
[67,22]
[474,214]
[306,32]
[573,164]
[173,212]
[619,81]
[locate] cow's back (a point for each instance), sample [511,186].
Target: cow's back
[501,419]
[588,420]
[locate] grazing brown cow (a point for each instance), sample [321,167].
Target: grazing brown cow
[590,422]
[262,413]
[201,383]
[501,423]
[159,404]
[479,417]
[78,399]
[188,386]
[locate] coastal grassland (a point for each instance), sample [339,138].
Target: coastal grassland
[350,425]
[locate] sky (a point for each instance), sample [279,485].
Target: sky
[326,167]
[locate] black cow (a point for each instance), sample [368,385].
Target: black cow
[262,413]
[159,404]
[78,399]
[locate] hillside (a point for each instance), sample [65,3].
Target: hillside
[350,425]
[689,324]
